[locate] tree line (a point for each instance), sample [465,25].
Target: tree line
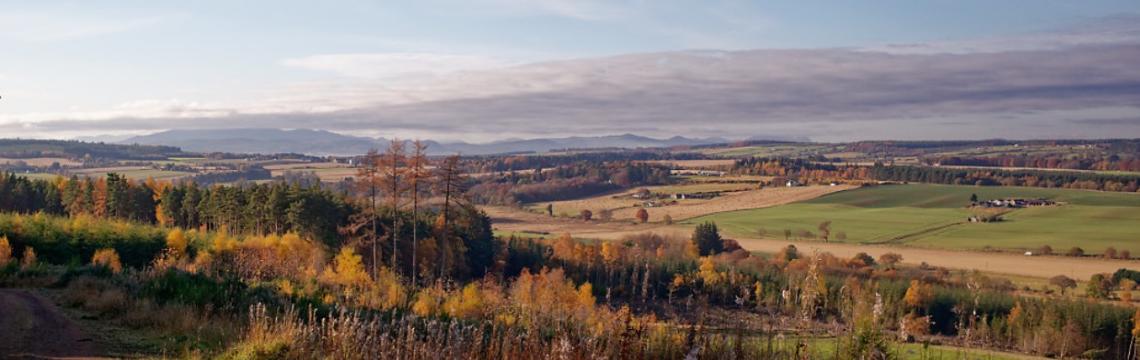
[401,209]
[808,171]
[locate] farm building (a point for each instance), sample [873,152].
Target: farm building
[1014,203]
[697,172]
[696,195]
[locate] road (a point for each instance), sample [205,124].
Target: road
[32,327]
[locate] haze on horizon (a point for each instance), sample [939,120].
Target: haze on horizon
[485,70]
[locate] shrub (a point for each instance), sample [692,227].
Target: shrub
[177,286]
[107,258]
[29,259]
[176,241]
[1076,251]
[1110,253]
[642,215]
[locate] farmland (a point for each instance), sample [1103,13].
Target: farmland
[934,216]
[734,198]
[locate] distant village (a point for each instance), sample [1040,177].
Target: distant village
[1013,203]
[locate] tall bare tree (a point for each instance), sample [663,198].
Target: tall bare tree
[368,181]
[450,179]
[392,178]
[417,172]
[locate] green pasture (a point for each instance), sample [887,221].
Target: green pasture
[935,216]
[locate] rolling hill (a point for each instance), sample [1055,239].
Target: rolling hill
[320,142]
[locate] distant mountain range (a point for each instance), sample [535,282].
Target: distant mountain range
[320,142]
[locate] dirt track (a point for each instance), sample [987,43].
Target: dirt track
[32,327]
[507,219]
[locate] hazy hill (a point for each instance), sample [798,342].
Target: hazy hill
[319,142]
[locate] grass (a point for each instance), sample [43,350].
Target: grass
[156,174]
[934,216]
[704,187]
[824,348]
[773,150]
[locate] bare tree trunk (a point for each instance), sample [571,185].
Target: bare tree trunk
[417,168]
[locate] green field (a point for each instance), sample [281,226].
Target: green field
[935,216]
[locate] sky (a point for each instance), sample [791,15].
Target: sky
[484,70]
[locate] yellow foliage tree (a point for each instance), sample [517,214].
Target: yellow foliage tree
[466,304]
[918,294]
[708,271]
[564,247]
[388,292]
[107,258]
[176,242]
[611,252]
[429,300]
[5,251]
[586,295]
[1136,324]
[348,270]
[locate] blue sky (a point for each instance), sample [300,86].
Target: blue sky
[169,60]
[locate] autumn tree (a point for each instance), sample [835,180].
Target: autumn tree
[5,251]
[1099,286]
[862,260]
[1063,282]
[918,295]
[586,215]
[449,180]
[368,182]
[347,271]
[642,215]
[393,172]
[417,173]
[1110,253]
[108,259]
[889,260]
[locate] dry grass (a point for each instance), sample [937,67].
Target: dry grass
[303,165]
[625,208]
[43,161]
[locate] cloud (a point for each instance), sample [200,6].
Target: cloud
[45,26]
[831,94]
[1118,29]
[1128,121]
[395,65]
